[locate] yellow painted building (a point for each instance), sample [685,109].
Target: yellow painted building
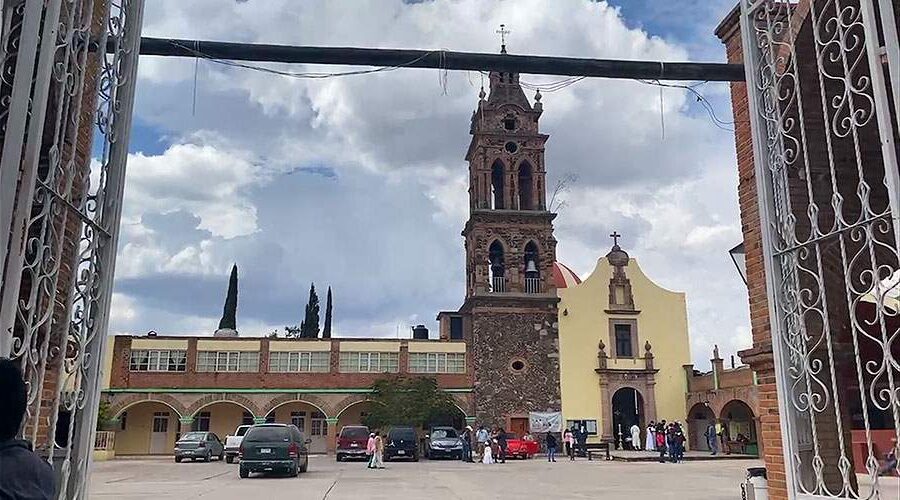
[623,343]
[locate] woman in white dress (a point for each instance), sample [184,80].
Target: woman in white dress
[651,437]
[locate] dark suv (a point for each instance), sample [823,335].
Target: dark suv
[402,442]
[352,441]
[274,448]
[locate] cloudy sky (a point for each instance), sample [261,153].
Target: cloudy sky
[359,182]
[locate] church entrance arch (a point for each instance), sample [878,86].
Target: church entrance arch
[627,410]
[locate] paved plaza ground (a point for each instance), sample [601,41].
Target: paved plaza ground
[158,479]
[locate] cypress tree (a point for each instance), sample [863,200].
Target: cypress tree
[310,326]
[326,330]
[229,312]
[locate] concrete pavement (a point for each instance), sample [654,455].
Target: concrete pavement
[159,479]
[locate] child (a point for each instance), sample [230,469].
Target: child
[370,450]
[488,456]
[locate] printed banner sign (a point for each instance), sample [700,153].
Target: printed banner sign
[545,421]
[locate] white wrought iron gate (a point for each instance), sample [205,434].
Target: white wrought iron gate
[822,78]
[67,69]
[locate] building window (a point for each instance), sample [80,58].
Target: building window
[624,345]
[298,418]
[590,426]
[161,421]
[201,422]
[156,360]
[227,361]
[319,427]
[518,365]
[285,362]
[370,362]
[437,362]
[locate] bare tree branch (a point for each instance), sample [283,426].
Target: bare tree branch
[563,186]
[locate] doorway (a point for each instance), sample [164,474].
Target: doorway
[627,410]
[699,419]
[159,437]
[518,426]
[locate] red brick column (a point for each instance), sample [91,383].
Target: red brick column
[760,356]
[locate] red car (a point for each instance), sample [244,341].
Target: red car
[524,447]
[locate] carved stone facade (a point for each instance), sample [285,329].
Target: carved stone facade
[511,303]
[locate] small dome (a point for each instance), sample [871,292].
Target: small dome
[617,256]
[563,277]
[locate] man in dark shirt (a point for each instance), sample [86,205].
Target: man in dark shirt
[501,442]
[23,475]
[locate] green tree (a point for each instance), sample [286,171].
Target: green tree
[415,401]
[292,332]
[326,330]
[309,329]
[104,415]
[229,312]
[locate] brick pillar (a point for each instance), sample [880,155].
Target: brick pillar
[760,356]
[184,425]
[331,435]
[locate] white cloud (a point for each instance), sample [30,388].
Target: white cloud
[383,225]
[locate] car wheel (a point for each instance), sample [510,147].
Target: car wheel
[294,467]
[416,457]
[340,458]
[221,456]
[208,457]
[177,460]
[229,459]
[244,473]
[305,466]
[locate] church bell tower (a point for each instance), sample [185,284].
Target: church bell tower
[511,302]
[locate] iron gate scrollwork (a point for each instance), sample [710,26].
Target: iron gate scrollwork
[820,74]
[67,70]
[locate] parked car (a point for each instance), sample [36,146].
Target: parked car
[199,444]
[351,442]
[233,442]
[521,447]
[402,442]
[274,448]
[443,442]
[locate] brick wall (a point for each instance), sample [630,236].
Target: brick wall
[122,377]
[759,357]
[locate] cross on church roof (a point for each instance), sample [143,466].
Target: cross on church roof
[615,236]
[503,32]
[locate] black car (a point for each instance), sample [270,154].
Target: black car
[443,442]
[274,448]
[402,442]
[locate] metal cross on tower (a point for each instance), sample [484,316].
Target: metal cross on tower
[615,236]
[503,32]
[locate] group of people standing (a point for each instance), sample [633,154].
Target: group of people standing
[375,450]
[490,445]
[665,437]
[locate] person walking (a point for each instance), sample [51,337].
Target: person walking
[581,439]
[569,441]
[379,451]
[23,474]
[650,445]
[712,439]
[551,447]
[635,436]
[370,450]
[502,444]
[482,437]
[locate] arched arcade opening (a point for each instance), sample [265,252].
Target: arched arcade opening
[309,418]
[146,428]
[739,433]
[700,418]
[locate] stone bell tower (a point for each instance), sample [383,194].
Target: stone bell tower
[511,303]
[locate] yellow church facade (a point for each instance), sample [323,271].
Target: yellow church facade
[623,344]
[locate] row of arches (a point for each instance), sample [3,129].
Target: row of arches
[737,421]
[151,426]
[525,195]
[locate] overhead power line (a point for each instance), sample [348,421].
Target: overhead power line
[442,59]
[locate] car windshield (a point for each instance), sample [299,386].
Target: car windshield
[259,434]
[443,433]
[354,433]
[242,430]
[193,436]
[402,434]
